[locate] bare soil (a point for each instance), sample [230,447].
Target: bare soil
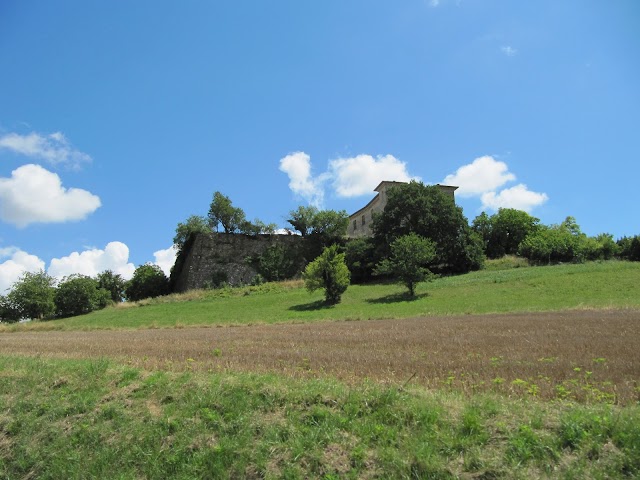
[574,354]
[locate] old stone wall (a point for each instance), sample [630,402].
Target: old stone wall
[210,256]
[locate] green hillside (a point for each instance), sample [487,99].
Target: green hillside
[612,284]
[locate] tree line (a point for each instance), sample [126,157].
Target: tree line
[420,233]
[37,295]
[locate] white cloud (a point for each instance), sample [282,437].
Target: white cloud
[483,175]
[434,3]
[53,148]
[518,197]
[297,166]
[359,175]
[34,194]
[509,51]
[350,177]
[114,257]
[17,263]
[165,259]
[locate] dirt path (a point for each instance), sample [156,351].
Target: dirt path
[433,350]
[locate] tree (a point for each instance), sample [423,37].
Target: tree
[482,226]
[79,294]
[328,271]
[361,258]
[426,211]
[330,224]
[410,256]
[148,281]
[557,243]
[302,219]
[629,248]
[222,212]
[32,295]
[257,227]
[509,227]
[112,283]
[8,311]
[184,230]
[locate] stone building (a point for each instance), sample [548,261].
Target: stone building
[360,221]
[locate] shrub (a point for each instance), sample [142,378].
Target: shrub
[148,281]
[328,271]
[32,296]
[79,294]
[361,258]
[410,255]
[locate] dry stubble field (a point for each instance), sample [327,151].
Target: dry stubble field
[580,354]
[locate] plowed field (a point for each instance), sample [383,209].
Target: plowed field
[572,354]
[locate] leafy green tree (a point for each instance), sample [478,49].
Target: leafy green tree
[8,312]
[410,256]
[361,258]
[330,224]
[557,243]
[257,227]
[302,219]
[148,281]
[32,295]
[184,230]
[508,228]
[629,248]
[222,212]
[482,226]
[329,271]
[112,283]
[79,294]
[426,211]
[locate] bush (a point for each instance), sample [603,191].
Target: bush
[112,283]
[32,296]
[629,248]
[328,271]
[148,281]
[410,255]
[79,294]
[361,258]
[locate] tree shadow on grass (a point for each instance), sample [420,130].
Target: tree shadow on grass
[309,307]
[397,297]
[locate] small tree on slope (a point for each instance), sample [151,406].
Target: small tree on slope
[328,271]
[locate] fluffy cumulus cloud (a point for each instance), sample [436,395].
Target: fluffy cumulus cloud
[114,257]
[483,178]
[349,177]
[15,262]
[482,175]
[33,194]
[519,197]
[165,259]
[359,175]
[297,166]
[53,148]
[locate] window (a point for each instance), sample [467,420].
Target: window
[355,224]
[363,220]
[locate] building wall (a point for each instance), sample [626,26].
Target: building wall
[210,254]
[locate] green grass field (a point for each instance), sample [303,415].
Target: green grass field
[97,418]
[592,285]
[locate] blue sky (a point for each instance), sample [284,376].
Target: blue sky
[120,119]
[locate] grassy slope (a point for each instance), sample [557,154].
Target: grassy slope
[94,419]
[591,285]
